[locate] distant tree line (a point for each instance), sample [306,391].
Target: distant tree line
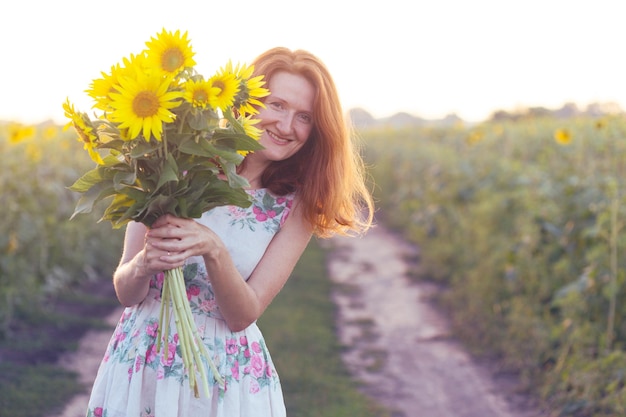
[362,119]
[568,110]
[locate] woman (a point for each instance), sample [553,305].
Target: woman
[308,180]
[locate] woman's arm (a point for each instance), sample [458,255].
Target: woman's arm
[241,302]
[139,262]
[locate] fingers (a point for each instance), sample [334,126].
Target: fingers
[170,227]
[180,237]
[162,248]
[156,260]
[167,219]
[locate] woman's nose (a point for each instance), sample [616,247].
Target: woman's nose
[285,123]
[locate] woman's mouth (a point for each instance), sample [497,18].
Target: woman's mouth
[277,139]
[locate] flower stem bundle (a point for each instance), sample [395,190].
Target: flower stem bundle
[193,350]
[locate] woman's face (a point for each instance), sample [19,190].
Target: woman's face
[287,119]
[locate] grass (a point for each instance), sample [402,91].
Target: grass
[299,327]
[34,390]
[31,384]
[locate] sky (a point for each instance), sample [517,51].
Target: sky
[429,58]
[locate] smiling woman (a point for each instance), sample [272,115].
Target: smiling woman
[226,265]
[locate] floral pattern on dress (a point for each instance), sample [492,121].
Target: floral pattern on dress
[242,357]
[167,362]
[267,213]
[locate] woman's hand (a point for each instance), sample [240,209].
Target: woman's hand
[147,252]
[172,240]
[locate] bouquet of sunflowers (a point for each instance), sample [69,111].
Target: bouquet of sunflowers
[173,140]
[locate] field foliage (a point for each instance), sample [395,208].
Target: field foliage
[42,253]
[522,221]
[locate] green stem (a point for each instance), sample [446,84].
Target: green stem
[201,350]
[165,150]
[192,347]
[163,328]
[190,339]
[182,325]
[182,122]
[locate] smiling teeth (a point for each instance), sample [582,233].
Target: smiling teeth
[277,138]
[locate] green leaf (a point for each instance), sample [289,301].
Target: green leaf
[116,144]
[203,120]
[224,146]
[159,206]
[123,179]
[129,214]
[143,148]
[88,180]
[170,171]
[238,141]
[112,160]
[92,196]
[199,148]
[234,180]
[119,211]
[135,194]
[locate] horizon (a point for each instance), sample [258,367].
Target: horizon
[604,107]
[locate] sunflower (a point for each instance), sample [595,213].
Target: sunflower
[562,137]
[143,103]
[249,127]
[170,52]
[250,89]
[101,88]
[19,132]
[228,86]
[201,94]
[255,90]
[84,129]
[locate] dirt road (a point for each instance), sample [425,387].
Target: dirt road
[399,345]
[85,362]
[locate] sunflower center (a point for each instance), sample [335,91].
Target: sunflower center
[146,104]
[219,84]
[172,59]
[200,96]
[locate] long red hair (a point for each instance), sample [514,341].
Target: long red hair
[327,173]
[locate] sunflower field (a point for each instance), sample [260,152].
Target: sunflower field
[522,223]
[42,253]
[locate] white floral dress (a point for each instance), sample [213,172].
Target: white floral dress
[136,381]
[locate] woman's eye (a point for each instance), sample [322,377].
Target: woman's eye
[276,105]
[305,118]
